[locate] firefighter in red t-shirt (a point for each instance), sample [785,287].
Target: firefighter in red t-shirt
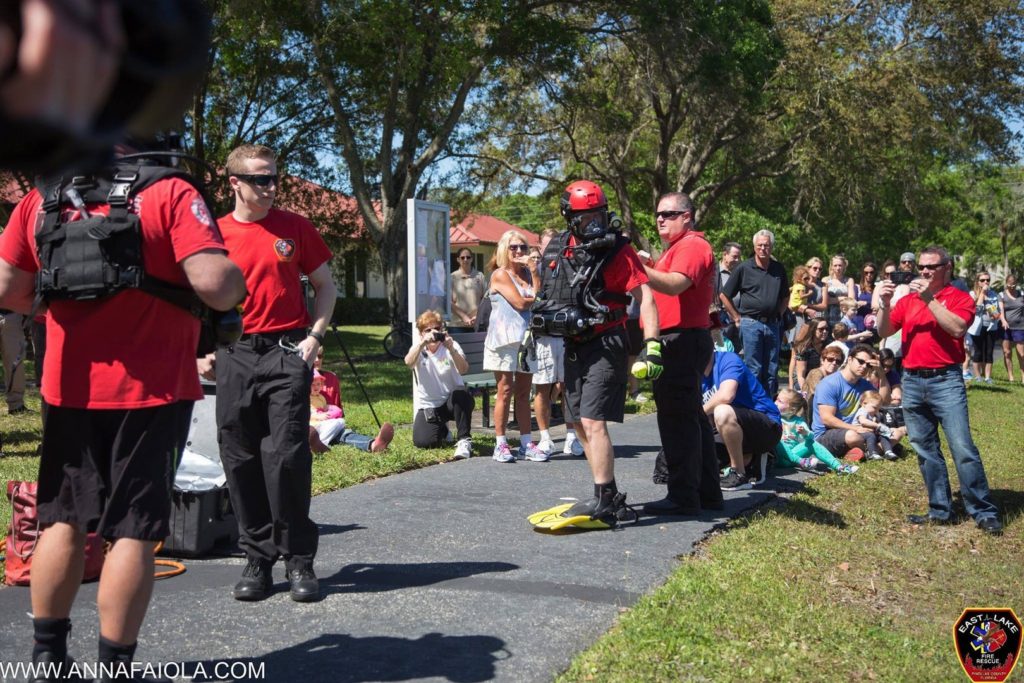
[934,317]
[120,380]
[263,381]
[683,285]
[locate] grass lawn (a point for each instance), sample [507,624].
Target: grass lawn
[831,585]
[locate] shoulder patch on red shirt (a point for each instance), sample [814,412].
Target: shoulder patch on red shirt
[200,211]
[285,249]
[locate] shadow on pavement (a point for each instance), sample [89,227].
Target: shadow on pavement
[376,578]
[343,658]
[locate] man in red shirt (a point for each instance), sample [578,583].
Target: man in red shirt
[263,381]
[934,318]
[683,284]
[120,380]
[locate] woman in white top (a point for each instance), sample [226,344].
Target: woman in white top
[439,393]
[514,284]
[838,285]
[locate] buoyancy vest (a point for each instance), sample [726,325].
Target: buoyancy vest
[573,299]
[101,255]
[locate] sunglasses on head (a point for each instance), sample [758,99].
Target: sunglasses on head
[261,180]
[517,247]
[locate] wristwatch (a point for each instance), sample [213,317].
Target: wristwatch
[316,335]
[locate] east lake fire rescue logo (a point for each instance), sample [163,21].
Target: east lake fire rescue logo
[987,641]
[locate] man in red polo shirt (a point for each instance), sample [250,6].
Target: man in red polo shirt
[683,285]
[119,382]
[934,318]
[263,381]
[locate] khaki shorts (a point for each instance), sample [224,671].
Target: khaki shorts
[502,359]
[549,365]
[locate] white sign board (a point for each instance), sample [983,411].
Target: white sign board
[428,262]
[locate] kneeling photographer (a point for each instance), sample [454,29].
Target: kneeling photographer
[439,393]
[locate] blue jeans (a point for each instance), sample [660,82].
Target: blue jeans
[927,403]
[761,344]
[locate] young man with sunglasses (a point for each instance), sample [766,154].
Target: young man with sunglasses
[682,280]
[263,381]
[837,398]
[934,319]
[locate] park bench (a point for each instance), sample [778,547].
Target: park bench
[477,381]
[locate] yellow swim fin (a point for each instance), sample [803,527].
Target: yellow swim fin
[558,518]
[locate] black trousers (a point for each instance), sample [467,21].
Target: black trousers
[458,407]
[263,428]
[685,430]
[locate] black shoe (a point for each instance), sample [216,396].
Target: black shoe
[716,504]
[256,582]
[304,585]
[991,525]
[667,506]
[17,411]
[610,509]
[928,519]
[48,660]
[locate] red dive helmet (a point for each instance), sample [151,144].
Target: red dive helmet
[582,195]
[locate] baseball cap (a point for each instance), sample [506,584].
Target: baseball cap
[907,256]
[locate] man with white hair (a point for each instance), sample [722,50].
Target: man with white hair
[763,289]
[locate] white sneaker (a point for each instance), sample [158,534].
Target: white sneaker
[573,447]
[546,446]
[502,453]
[463,449]
[532,453]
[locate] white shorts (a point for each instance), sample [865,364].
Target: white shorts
[549,365]
[502,359]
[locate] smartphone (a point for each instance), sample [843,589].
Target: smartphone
[901,277]
[644,256]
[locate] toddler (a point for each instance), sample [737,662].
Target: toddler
[798,448]
[877,440]
[327,424]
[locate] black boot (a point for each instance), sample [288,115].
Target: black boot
[256,582]
[304,586]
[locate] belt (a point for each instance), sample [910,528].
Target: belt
[925,373]
[681,330]
[273,338]
[766,319]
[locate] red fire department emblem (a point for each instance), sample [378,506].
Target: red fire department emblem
[987,642]
[285,249]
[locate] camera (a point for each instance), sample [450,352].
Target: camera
[438,336]
[901,277]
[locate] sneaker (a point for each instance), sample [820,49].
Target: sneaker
[502,453]
[546,446]
[874,455]
[847,469]
[890,455]
[573,447]
[532,453]
[987,380]
[463,449]
[639,398]
[384,436]
[968,375]
[855,455]
[808,465]
[734,481]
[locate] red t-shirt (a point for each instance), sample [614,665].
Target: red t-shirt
[925,344]
[622,273]
[273,253]
[692,256]
[332,390]
[130,350]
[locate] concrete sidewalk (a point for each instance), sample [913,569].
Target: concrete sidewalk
[428,575]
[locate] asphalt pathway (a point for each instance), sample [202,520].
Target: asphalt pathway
[427,575]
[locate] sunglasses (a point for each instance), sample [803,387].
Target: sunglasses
[258,180]
[830,359]
[518,247]
[929,266]
[861,361]
[869,272]
[465,258]
[670,215]
[983,280]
